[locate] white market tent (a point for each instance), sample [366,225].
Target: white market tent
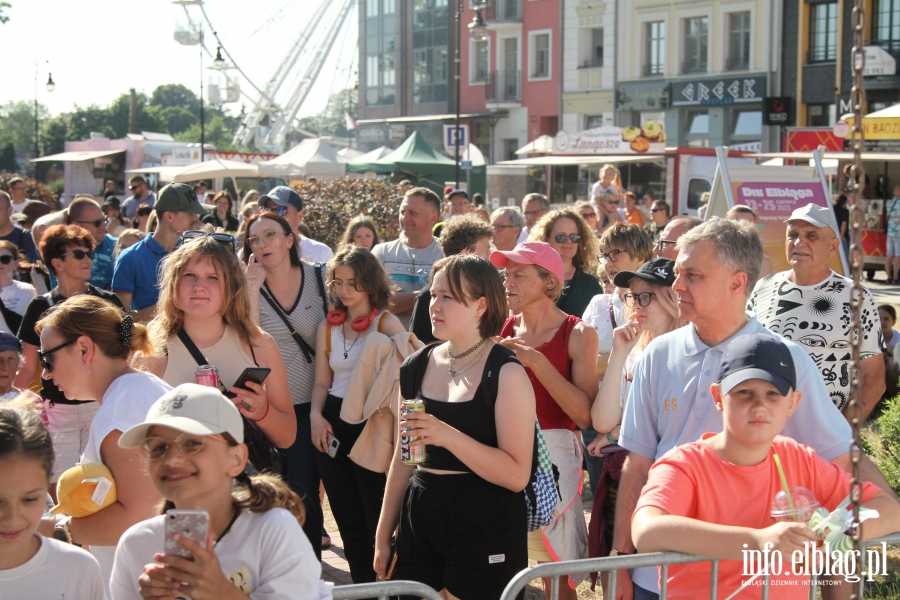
[310,158]
[541,145]
[214,169]
[349,153]
[373,155]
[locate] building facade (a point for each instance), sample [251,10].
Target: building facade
[816,67]
[702,69]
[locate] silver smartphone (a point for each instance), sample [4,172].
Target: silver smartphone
[192,524]
[333,444]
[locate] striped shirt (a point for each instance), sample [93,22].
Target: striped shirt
[304,316]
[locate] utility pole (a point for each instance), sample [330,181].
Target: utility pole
[132,112]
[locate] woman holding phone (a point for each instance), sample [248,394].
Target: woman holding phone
[253,543]
[204,305]
[361,293]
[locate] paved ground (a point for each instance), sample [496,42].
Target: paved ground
[334,565]
[884,293]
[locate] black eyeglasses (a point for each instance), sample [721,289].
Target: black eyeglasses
[97,223]
[657,210]
[562,238]
[587,216]
[80,254]
[193,234]
[611,256]
[6,259]
[134,187]
[281,211]
[661,244]
[43,356]
[643,299]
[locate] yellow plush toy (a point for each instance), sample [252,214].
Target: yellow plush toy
[84,490]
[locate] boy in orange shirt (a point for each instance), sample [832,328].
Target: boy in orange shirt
[713,497]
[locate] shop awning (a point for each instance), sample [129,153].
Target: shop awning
[873,156]
[594,159]
[77,155]
[428,118]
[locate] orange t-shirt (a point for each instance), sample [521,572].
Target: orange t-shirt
[693,481]
[636,217]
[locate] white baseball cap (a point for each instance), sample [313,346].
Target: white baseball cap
[191,408]
[814,214]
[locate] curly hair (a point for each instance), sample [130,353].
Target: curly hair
[586,257]
[463,232]
[354,224]
[236,298]
[368,274]
[59,239]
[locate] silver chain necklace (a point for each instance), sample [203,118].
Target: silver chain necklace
[450,369]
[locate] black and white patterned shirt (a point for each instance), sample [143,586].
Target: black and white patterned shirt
[817,318]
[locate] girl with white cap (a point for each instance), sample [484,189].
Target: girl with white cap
[192,440]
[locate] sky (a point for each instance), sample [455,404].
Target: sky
[99,49]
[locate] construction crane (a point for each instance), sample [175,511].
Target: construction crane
[271,118]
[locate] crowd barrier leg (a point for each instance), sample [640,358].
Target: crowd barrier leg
[383,590]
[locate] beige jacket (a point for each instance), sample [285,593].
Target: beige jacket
[373,396]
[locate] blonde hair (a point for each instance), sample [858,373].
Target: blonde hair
[99,320]
[586,257]
[236,310]
[666,297]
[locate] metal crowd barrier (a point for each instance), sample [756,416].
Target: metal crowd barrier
[383,590]
[618,563]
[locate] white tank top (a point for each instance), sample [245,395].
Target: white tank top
[345,354]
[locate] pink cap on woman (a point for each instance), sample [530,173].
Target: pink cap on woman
[531,253]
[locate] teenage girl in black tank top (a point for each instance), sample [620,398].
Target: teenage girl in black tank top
[462,521]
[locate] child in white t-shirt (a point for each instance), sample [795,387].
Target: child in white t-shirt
[192,439]
[31,565]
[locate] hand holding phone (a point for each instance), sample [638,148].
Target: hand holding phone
[333,444]
[255,374]
[192,524]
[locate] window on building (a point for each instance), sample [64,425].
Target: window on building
[748,124]
[823,26]
[480,63]
[540,55]
[739,41]
[590,47]
[697,131]
[380,46]
[696,45]
[510,145]
[431,31]
[655,48]
[593,121]
[820,115]
[886,26]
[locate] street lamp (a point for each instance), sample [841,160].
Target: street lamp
[478,31]
[219,62]
[50,85]
[37,123]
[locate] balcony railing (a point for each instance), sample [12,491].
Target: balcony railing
[503,10]
[503,86]
[693,66]
[653,70]
[892,47]
[820,55]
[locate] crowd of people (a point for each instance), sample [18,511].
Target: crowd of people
[211,361]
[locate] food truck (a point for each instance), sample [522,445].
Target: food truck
[566,172]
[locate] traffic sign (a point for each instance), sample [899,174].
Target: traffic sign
[451,137]
[465,164]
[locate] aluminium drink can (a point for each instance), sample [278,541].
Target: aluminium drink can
[207,375]
[411,455]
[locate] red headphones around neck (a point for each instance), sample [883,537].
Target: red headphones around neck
[359,324]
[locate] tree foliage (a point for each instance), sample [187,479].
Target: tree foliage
[331,121]
[3,6]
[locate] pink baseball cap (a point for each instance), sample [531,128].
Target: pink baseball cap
[531,253]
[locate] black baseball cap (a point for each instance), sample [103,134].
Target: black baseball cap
[282,196]
[656,271]
[458,193]
[758,356]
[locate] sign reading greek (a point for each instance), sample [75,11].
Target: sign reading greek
[719,91]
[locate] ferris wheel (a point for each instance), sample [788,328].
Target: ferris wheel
[276,104]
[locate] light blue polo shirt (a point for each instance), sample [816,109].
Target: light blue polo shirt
[137,272]
[670,403]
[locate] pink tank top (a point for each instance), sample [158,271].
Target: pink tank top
[550,415]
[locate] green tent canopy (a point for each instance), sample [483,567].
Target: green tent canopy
[415,159]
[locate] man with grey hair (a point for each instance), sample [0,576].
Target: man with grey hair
[669,403]
[534,206]
[810,303]
[674,229]
[508,224]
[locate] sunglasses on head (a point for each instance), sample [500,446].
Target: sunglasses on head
[281,211]
[44,356]
[193,234]
[80,254]
[6,259]
[562,238]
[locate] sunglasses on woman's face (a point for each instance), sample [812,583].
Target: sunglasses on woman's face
[44,356]
[562,238]
[6,259]
[80,254]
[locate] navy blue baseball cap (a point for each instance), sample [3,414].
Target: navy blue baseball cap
[282,196]
[758,356]
[9,342]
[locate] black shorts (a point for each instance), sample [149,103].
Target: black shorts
[461,533]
